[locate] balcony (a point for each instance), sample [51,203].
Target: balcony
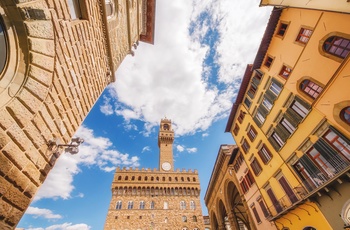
[319,179]
[287,202]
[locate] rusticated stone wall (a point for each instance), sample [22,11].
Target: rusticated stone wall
[56,70]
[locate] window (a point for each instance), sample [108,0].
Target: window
[285,71]
[238,162]
[245,146]
[287,189]
[109,8]
[337,46]
[275,87]
[119,205]
[247,102]
[241,116]
[274,200]
[236,129]
[304,35]
[338,143]
[260,117]
[265,154]
[152,205]
[130,205]
[252,90]
[345,115]
[142,205]
[77,9]
[166,205]
[192,205]
[244,186]
[267,104]
[312,89]
[182,205]
[268,61]
[252,133]
[194,218]
[263,208]
[282,29]
[256,167]
[277,139]
[3,46]
[287,125]
[184,219]
[300,107]
[256,215]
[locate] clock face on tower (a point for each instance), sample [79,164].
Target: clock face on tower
[166,166]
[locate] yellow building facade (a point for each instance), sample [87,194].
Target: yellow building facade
[291,119]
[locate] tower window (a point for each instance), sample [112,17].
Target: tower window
[182,205]
[192,205]
[119,205]
[166,127]
[184,219]
[130,205]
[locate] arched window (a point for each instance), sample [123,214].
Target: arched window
[3,46]
[309,228]
[311,88]
[192,205]
[133,178]
[182,205]
[130,205]
[142,205]
[194,218]
[184,219]
[119,177]
[345,114]
[119,205]
[166,206]
[152,204]
[337,46]
[166,220]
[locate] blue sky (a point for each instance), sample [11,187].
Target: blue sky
[190,75]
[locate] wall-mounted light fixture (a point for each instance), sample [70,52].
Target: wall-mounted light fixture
[72,148]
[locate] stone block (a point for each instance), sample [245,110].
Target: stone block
[42,46]
[43,61]
[33,173]
[17,178]
[6,120]
[30,190]
[18,159]
[34,135]
[19,137]
[40,29]
[41,75]
[4,184]
[19,113]
[5,165]
[16,198]
[4,139]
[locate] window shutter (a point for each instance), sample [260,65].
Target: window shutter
[274,143]
[255,81]
[293,117]
[263,111]
[282,132]
[257,122]
[277,82]
[270,96]
[301,101]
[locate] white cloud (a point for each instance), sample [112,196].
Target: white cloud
[191,150]
[180,148]
[41,212]
[95,150]
[172,78]
[106,108]
[64,226]
[146,149]
[205,134]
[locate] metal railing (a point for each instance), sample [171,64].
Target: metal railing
[287,201]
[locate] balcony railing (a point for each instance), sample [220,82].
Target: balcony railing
[287,201]
[318,179]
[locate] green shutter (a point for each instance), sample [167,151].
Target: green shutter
[282,132]
[301,101]
[274,143]
[270,96]
[291,116]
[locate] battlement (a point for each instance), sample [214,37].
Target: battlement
[137,170]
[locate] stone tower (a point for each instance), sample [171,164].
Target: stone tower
[161,198]
[56,57]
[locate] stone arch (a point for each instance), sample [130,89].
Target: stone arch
[213,221]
